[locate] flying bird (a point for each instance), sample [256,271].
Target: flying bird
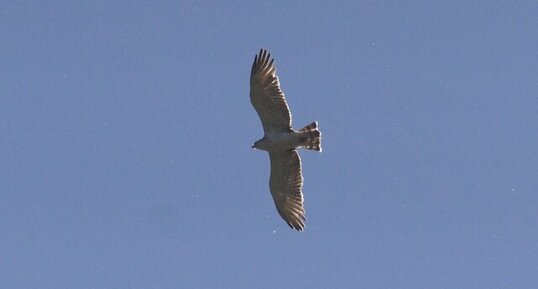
[281,141]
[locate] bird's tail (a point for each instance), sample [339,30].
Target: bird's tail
[310,137]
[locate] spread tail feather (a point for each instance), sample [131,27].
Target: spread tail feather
[310,137]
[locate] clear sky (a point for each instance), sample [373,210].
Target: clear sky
[125,135]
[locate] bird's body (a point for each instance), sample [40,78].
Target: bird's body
[281,140]
[278,141]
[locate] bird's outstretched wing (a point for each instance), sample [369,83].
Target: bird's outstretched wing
[266,95]
[286,183]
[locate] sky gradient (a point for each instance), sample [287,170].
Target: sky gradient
[125,135]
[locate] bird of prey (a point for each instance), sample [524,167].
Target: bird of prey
[281,141]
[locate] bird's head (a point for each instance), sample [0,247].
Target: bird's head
[260,144]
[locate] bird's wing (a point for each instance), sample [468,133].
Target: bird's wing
[266,95]
[286,183]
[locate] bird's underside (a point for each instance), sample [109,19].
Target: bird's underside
[281,140]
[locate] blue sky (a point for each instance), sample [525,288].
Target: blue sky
[126,127]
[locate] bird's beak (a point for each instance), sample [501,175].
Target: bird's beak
[252,147]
